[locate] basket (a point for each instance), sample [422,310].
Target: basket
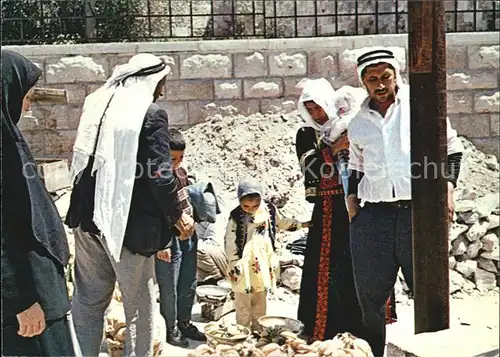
[287,323]
[115,348]
[231,341]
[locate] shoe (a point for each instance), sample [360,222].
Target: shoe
[188,330]
[175,338]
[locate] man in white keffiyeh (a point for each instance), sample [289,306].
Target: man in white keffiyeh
[124,206]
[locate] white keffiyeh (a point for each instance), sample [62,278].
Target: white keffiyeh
[122,105]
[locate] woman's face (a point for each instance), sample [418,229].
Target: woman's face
[250,205]
[27,100]
[317,112]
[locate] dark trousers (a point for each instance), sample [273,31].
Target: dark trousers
[54,341]
[177,282]
[381,243]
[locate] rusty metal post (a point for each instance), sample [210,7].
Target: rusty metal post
[427,67]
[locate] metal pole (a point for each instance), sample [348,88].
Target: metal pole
[427,66]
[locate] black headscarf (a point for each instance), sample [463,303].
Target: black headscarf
[28,210]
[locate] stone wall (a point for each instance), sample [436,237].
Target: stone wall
[246,76]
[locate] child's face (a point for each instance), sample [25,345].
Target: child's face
[177,157]
[250,205]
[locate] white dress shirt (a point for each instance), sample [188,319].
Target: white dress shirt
[380,148]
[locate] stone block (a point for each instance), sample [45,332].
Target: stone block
[36,141]
[284,64]
[199,111]
[262,88]
[293,86]
[76,92]
[76,69]
[190,90]
[59,143]
[228,89]
[484,56]
[472,80]
[459,102]
[177,112]
[487,102]
[279,105]
[495,124]
[206,66]
[91,88]
[348,58]
[59,117]
[324,63]
[471,126]
[456,57]
[250,65]
[488,145]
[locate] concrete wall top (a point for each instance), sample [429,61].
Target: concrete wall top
[201,46]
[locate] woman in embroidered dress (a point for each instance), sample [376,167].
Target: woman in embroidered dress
[249,244]
[328,304]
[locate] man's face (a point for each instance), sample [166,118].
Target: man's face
[380,81]
[317,112]
[250,205]
[177,157]
[160,89]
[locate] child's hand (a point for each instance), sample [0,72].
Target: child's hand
[165,255]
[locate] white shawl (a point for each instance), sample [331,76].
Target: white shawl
[122,106]
[340,106]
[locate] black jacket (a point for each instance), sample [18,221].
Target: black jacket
[154,208]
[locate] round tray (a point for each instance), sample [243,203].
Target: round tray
[224,284]
[227,340]
[286,322]
[212,292]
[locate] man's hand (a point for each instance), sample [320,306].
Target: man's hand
[185,225]
[31,321]
[342,143]
[353,206]
[451,203]
[165,255]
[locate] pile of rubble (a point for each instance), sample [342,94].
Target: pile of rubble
[225,148]
[474,236]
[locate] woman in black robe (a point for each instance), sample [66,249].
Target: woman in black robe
[34,245]
[328,304]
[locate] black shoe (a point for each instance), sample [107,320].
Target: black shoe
[175,338]
[190,331]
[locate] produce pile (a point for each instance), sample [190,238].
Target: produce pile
[289,344]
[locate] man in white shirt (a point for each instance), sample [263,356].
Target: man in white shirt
[380,164]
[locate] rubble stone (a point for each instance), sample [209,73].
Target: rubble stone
[490,242]
[477,231]
[459,246]
[457,282]
[206,66]
[76,69]
[468,217]
[467,268]
[457,229]
[487,264]
[493,255]
[494,221]
[474,248]
[486,204]
[288,65]
[485,281]
[484,57]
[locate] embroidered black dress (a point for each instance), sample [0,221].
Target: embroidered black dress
[328,303]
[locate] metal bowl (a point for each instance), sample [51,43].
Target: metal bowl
[212,292]
[280,321]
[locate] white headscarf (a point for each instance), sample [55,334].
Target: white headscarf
[122,106]
[340,106]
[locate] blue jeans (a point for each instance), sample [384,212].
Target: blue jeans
[177,281]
